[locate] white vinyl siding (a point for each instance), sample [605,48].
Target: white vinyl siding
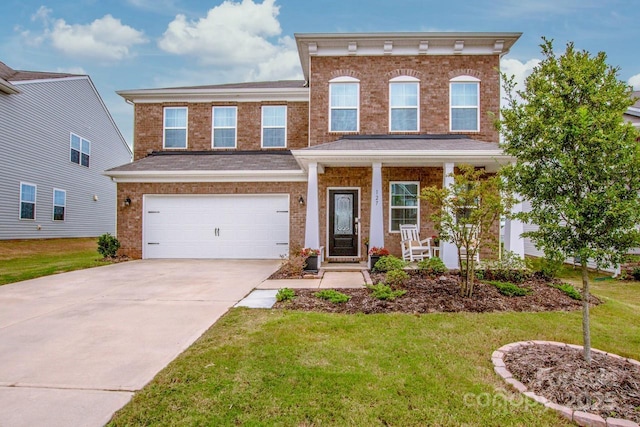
[465,104]
[404,101]
[274,126]
[175,127]
[224,127]
[80,150]
[59,204]
[404,204]
[27,201]
[344,105]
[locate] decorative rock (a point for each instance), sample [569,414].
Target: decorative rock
[617,422]
[562,410]
[517,385]
[502,372]
[588,420]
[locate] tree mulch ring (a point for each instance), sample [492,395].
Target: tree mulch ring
[609,386]
[427,294]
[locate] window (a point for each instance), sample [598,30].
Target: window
[175,127]
[465,104]
[344,94]
[403,205]
[80,150]
[403,104]
[274,126]
[224,127]
[27,201]
[59,204]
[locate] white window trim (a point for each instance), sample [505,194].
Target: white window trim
[213,128]
[273,127]
[405,79]
[338,80]
[391,183]
[35,203]
[71,135]
[185,127]
[464,79]
[53,212]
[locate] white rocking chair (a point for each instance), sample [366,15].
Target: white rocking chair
[414,249]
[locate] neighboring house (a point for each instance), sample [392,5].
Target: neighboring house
[250,170]
[57,139]
[633,113]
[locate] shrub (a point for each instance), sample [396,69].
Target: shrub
[636,273]
[294,265]
[108,245]
[550,267]
[432,266]
[333,296]
[384,292]
[396,278]
[569,290]
[511,268]
[285,294]
[388,263]
[509,289]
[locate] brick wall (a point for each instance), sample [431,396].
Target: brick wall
[148,125]
[130,217]
[374,73]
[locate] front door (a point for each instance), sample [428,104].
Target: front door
[343,223]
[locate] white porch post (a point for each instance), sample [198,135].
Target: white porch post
[449,251]
[312,225]
[513,229]
[376,227]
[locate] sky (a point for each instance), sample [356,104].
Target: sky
[143,44]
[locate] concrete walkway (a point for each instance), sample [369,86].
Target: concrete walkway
[75,346]
[329,280]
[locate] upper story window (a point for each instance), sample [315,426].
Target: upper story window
[224,127]
[175,127]
[403,204]
[80,150]
[59,204]
[404,98]
[465,104]
[344,104]
[27,201]
[274,126]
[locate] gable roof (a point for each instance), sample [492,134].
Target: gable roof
[8,74]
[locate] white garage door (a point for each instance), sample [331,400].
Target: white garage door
[251,227]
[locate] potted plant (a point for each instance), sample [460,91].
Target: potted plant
[374,255]
[311,256]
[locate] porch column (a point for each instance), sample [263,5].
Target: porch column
[312,225]
[513,229]
[448,251]
[376,227]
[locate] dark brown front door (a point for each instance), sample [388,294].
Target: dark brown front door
[343,223]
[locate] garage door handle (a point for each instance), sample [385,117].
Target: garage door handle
[153,243]
[282,244]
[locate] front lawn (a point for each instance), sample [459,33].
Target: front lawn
[28,259]
[291,368]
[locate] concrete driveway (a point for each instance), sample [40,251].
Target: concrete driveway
[75,346]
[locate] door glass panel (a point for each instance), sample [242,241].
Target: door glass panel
[343,220]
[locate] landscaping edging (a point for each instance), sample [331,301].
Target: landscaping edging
[579,417]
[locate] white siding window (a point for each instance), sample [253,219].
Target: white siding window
[344,104]
[224,127]
[465,104]
[59,204]
[404,204]
[274,126]
[27,201]
[175,127]
[404,99]
[80,150]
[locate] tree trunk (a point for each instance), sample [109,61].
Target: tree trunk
[586,331]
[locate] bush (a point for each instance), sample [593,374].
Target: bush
[384,292]
[388,263]
[432,266]
[550,267]
[396,278]
[569,290]
[295,264]
[636,273]
[333,296]
[108,245]
[509,289]
[285,294]
[511,268]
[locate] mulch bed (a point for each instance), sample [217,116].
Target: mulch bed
[427,294]
[609,387]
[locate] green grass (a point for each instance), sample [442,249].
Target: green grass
[288,368]
[28,259]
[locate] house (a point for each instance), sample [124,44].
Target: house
[250,170]
[57,139]
[633,113]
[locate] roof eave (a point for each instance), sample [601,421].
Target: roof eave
[208,176]
[212,95]
[7,87]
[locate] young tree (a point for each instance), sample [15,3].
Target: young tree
[577,163]
[464,213]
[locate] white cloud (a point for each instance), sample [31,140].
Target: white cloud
[634,81]
[158,6]
[518,69]
[72,70]
[238,36]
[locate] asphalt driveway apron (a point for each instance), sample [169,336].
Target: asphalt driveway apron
[74,347]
